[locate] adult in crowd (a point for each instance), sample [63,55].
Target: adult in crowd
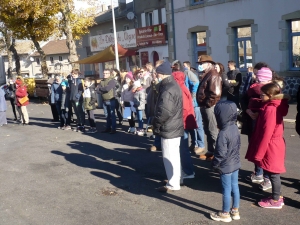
[116,74]
[168,123]
[190,124]
[127,100]
[150,108]
[225,84]
[22,100]
[150,68]
[89,103]
[3,107]
[107,88]
[76,99]
[56,94]
[197,135]
[208,95]
[53,106]
[12,98]
[65,105]
[298,112]
[235,81]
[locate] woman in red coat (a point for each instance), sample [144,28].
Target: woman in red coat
[189,121]
[267,146]
[21,93]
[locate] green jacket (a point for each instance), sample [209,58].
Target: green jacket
[107,88]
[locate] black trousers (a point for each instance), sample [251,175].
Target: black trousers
[276,184]
[54,112]
[119,109]
[91,117]
[13,106]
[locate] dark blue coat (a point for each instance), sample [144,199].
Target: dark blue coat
[227,153]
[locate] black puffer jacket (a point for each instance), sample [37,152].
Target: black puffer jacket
[227,153]
[168,115]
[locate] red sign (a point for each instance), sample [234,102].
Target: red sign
[152,35]
[144,58]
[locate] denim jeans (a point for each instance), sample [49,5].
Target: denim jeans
[197,135]
[110,107]
[230,183]
[139,114]
[185,155]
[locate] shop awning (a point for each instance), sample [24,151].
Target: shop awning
[106,55]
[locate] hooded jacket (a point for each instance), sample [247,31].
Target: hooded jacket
[227,153]
[267,146]
[187,100]
[56,92]
[192,83]
[168,115]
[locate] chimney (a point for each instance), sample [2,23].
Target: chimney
[122,5]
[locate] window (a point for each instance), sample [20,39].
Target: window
[111,30]
[38,62]
[60,58]
[243,47]
[196,2]
[295,45]
[51,60]
[149,19]
[200,44]
[126,27]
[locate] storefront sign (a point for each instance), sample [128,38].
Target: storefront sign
[152,35]
[125,38]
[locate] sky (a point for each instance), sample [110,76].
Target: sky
[83,4]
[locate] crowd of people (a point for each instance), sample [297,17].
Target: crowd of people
[181,103]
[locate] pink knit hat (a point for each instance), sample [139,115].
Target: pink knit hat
[129,75]
[264,74]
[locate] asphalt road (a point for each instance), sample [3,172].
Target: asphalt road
[50,176]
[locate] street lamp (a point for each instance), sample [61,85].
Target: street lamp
[115,35]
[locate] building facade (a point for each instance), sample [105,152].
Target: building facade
[246,31]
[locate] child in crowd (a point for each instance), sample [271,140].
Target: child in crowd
[65,103]
[267,146]
[226,160]
[89,100]
[139,101]
[127,101]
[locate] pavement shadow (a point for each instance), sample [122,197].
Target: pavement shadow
[131,170]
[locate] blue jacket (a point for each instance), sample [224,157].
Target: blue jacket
[56,92]
[192,83]
[227,153]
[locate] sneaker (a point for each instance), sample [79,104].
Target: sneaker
[281,199]
[255,179]
[235,215]
[140,132]
[80,129]
[265,185]
[269,203]
[185,176]
[220,216]
[132,130]
[164,189]
[61,128]
[91,131]
[199,151]
[68,128]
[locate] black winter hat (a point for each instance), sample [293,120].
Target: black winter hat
[164,68]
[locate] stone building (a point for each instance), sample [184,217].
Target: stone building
[246,31]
